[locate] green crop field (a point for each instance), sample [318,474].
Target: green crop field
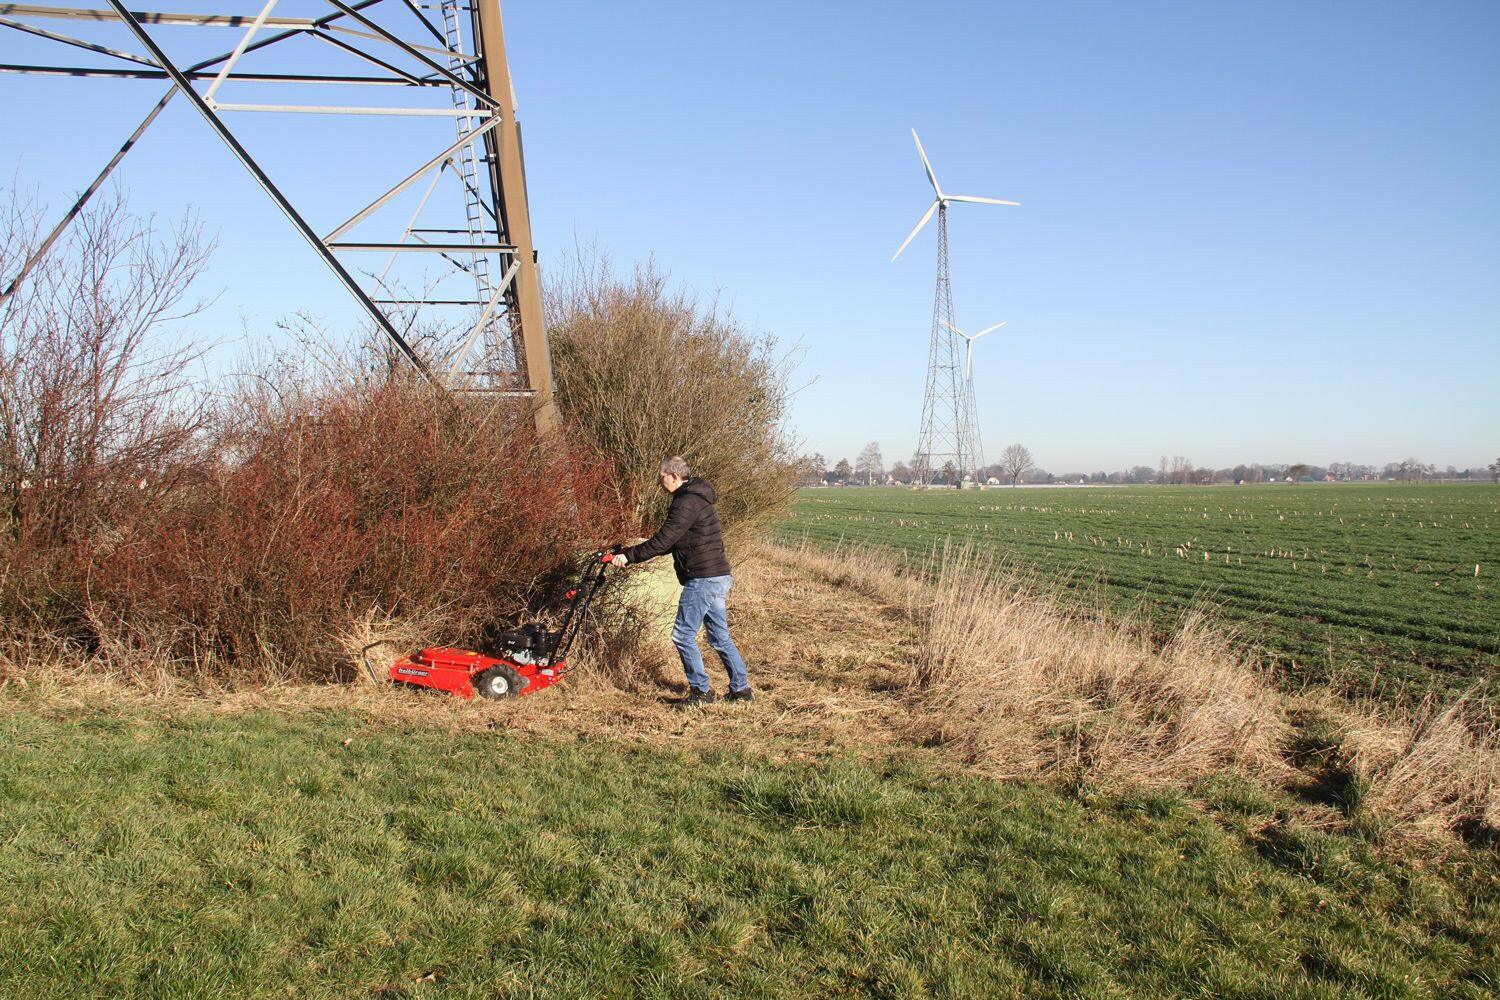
[1378,587]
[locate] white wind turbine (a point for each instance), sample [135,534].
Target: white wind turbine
[939,200]
[949,439]
[969,359]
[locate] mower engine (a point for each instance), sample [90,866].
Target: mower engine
[521,661]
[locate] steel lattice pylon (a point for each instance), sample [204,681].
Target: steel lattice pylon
[950,424]
[479,233]
[948,444]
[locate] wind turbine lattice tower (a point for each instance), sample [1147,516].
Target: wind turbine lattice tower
[950,428]
[949,434]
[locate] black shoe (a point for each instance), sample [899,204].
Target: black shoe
[696,698]
[742,695]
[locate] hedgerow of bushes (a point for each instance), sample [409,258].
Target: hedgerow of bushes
[155,523]
[147,529]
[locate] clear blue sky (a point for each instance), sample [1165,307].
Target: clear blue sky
[1259,231]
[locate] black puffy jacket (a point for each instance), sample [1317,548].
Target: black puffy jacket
[691,533]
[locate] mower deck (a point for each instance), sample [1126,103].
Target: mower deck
[464,673]
[526,660]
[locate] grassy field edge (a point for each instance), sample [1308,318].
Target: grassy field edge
[326,853]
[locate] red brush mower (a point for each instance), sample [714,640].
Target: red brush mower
[525,660]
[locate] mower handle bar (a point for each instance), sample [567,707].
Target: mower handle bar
[583,594]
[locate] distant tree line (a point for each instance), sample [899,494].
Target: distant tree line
[1016,466]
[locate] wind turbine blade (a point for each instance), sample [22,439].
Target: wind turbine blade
[927,165]
[979,201]
[969,363]
[912,235]
[988,329]
[954,329]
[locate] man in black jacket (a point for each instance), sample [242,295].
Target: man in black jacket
[694,537]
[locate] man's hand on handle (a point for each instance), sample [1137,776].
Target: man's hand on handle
[618,559]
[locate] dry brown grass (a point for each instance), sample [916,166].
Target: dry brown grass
[971,667]
[1420,771]
[1016,685]
[373,638]
[828,671]
[1024,686]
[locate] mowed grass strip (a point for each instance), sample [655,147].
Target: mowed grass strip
[258,855]
[1371,586]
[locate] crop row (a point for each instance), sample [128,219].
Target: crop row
[1374,581]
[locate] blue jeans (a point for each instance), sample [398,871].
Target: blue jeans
[703,603]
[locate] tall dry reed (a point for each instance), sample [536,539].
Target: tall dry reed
[1433,767]
[1018,683]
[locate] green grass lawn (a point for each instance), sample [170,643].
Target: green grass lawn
[199,856]
[1373,584]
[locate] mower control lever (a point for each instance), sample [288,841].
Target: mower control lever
[579,598]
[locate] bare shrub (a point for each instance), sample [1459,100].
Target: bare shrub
[644,373]
[148,533]
[97,424]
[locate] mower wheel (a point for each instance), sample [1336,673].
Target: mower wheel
[500,682]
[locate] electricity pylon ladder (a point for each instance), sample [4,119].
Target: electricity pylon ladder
[467,168]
